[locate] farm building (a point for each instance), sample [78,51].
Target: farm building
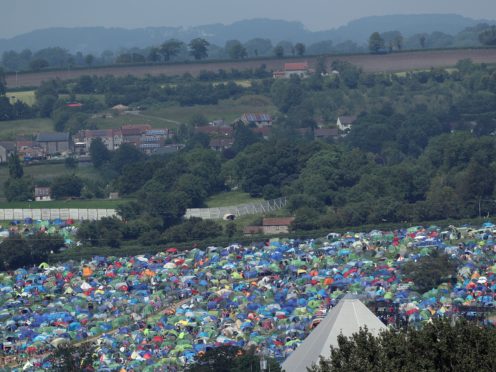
[220,144]
[256,119]
[278,225]
[132,133]
[111,138]
[54,143]
[294,68]
[42,193]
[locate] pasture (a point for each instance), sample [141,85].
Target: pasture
[12,128]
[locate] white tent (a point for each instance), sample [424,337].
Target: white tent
[347,317]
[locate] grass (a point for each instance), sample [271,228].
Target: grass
[226,199]
[26,96]
[96,204]
[145,118]
[228,110]
[12,128]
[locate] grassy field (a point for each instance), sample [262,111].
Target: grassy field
[228,110]
[48,172]
[226,199]
[12,128]
[26,96]
[145,118]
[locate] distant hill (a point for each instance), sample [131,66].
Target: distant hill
[98,39]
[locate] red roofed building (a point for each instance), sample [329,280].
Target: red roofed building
[131,133]
[293,68]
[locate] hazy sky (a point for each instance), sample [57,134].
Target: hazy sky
[19,16]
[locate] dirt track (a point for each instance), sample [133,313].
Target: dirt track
[369,63]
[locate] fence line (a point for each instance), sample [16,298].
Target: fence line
[54,213]
[265,206]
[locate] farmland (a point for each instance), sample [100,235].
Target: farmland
[10,129]
[369,63]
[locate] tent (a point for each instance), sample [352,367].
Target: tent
[347,317]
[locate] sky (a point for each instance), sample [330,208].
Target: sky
[20,16]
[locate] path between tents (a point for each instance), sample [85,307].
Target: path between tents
[174,306]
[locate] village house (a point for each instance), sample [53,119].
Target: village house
[300,69]
[220,144]
[153,139]
[256,119]
[111,138]
[54,143]
[278,225]
[324,133]
[42,193]
[132,133]
[6,148]
[344,123]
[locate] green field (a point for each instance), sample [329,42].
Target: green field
[26,96]
[228,110]
[120,120]
[12,128]
[226,199]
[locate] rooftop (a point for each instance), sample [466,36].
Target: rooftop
[52,137]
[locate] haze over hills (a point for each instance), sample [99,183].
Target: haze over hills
[98,39]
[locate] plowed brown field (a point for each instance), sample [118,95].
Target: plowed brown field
[369,63]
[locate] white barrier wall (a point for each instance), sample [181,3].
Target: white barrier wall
[53,213]
[265,206]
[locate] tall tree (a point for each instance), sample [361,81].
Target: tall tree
[170,49]
[198,48]
[235,49]
[15,166]
[376,43]
[299,49]
[99,153]
[488,37]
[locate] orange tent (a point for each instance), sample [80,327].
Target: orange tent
[87,271]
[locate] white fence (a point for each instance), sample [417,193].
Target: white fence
[265,206]
[54,213]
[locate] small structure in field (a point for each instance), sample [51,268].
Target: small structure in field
[42,193]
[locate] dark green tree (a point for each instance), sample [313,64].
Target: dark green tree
[67,186]
[18,189]
[15,166]
[99,153]
[198,48]
[488,37]
[170,49]
[279,51]
[235,49]
[376,43]
[300,49]
[71,358]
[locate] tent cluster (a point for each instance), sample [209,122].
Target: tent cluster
[151,311]
[29,227]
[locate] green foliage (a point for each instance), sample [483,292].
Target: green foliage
[198,48]
[17,252]
[70,162]
[99,153]
[430,271]
[463,346]
[71,358]
[488,36]
[170,49]
[300,49]
[376,43]
[230,359]
[67,186]
[15,168]
[235,49]
[106,232]
[18,189]
[192,229]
